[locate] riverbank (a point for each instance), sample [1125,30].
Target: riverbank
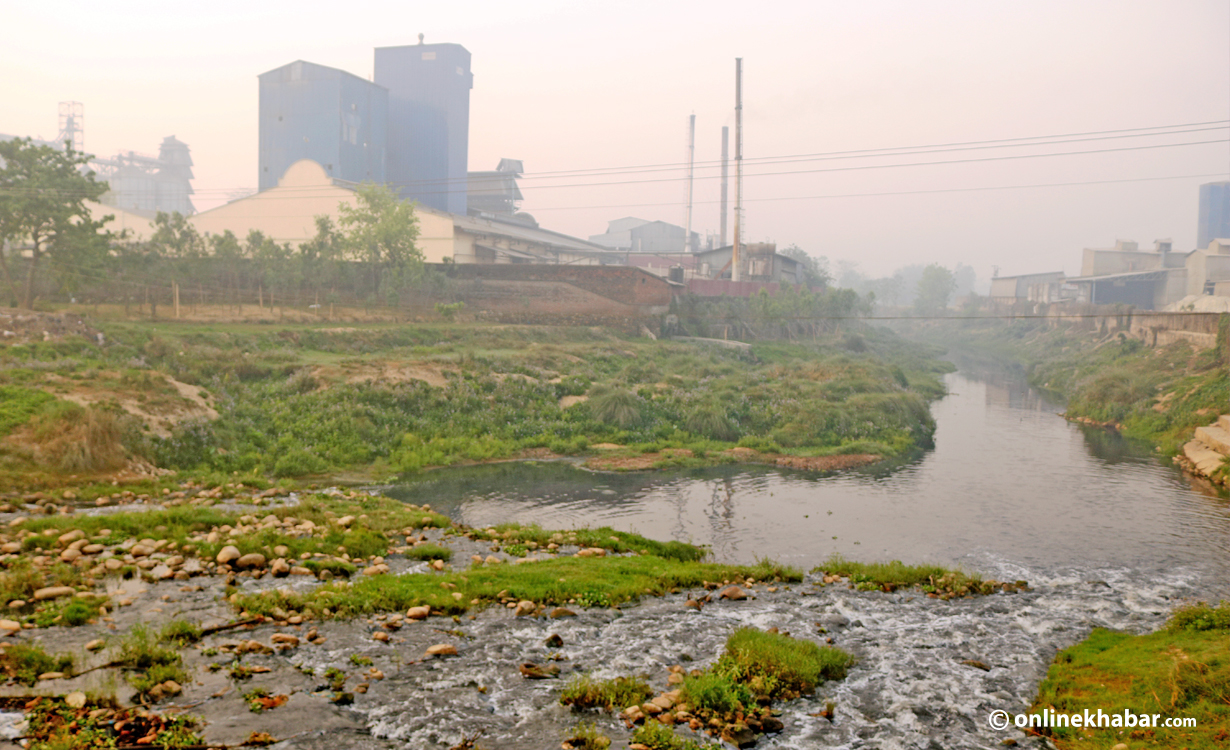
[135,401]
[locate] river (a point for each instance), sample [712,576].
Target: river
[1107,535]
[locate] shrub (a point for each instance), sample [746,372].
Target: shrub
[1200,616]
[615,406]
[583,691]
[710,420]
[298,462]
[24,662]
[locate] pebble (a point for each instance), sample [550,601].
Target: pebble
[53,592]
[17,604]
[75,699]
[442,649]
[418,613]
[559,612]
[10,625]
[524,607]
[733,593]
[381,636]
[95,644]
[251,560]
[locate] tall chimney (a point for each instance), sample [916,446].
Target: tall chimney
[735,273]
[687,230]
[725,158]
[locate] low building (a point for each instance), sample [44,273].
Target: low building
[287,214]
[1028,287]
[1208,265]
[634,235]
[1147,290]
[1126,257]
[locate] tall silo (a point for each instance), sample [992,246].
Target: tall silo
[429,121]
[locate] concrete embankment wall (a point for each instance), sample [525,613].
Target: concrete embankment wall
[1200,329]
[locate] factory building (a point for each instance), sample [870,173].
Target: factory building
[429,121]
[336,119]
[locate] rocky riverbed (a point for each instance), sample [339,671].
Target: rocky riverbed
[929,670]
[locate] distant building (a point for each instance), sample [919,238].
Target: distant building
[495,192]
[1126,256]
[336,119]
[1207,266]
[1029,287]
[1214,221]
[287,213]
[429,121]
[635,235]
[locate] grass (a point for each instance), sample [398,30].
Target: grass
[428,552]
[658,736]
[24,662]
[180,632]
[782,667]
[151,663]
[558,582]
[583,691]
[604,536]
[1182,671]
[933,579]
[586,736]
[290,407]
[53,725]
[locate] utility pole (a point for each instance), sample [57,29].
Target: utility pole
[725,158]
[735,274]
[687,231]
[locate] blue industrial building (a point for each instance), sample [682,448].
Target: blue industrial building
[429,121]
[336,119]
[1214,213]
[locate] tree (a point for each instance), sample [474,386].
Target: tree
[380,230]
[42,206]
[935,287]
[815,271]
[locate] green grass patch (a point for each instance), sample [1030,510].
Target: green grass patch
[658,736]
[18,405]
[24,662]
[427,552]
[1182,671]
[558,582]
[150,664]
[180,632]
[945,582]
[604,537]
[583,691]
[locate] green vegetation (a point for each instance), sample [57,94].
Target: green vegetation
[933,579]
[583,692]
[657,736]
[54,725]
[758,663]
[425,552]
[303,400]
[565,580]
[360,661]
[180,632]
[24,662]
[603,536]
[1182,671]
[586,736]
[152,664]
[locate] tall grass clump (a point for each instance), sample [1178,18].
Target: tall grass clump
[583,691]
[615,406]
[710,420]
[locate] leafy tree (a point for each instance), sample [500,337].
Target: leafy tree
[42,205]
[935,288]
[815,271]
[380,230]
[322,258]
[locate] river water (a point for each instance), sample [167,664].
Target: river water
[1107,535]
[1010,485]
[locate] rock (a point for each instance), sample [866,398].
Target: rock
[833,621]
[559,612]
[299,570]
[113,563]
[92,549]
[553,641]
[192,567]
[664,702]
[95,645]
[381,636]
[442,649]
[493,560]
[437,564]
[280,567]
[733,593]
[591,552]
[70,537]
[418,613]
[53,592]
[70,555]
[376,570]
[1120,746]
[10,548]
[739,735]
[345,520]
[650,708]
[228,554]
[17,604]
[10,625]
[674,678]
[174,561]
[281,550]
[976,665]
[531,671]
[51,676]
[162,572]
[75,699]
[524,607]
[171,687]
[285,638]
[771,724]
[250,561]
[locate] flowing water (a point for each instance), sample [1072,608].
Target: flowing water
[1107,534]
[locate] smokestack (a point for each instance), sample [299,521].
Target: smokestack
[735,273]
[687,230]
[725,158]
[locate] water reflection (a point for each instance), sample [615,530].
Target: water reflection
[1009,482]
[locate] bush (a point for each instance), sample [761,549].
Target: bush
[298,462]
[615,406]
[1199,617]
[710,420]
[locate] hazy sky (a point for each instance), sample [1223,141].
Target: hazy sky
[582,86]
